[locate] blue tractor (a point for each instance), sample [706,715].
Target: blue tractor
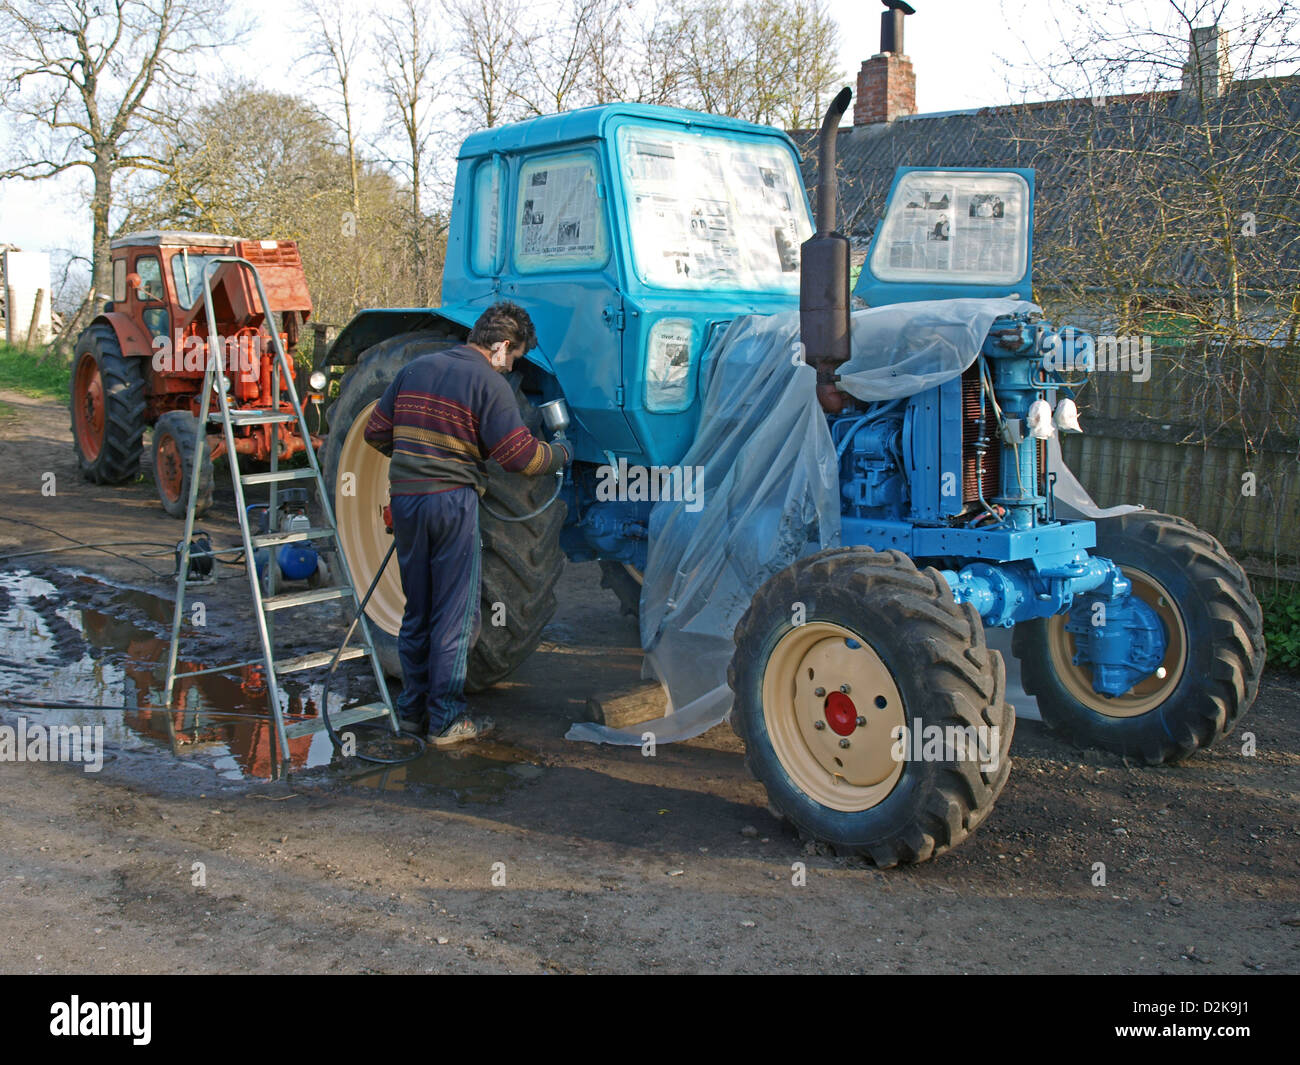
[876,718]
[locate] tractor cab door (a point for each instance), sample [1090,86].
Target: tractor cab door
[147,302]
[949,233]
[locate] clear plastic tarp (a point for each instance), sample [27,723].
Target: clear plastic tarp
[771,486]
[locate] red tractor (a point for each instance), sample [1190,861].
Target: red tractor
[140,362]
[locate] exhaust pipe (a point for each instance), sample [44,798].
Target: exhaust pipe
[824,272]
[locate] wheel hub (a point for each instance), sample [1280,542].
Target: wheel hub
[840,755]
[171,468]
[358,509]
[841,714]
[1078,676]
[89,408]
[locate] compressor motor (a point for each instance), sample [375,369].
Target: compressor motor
[297,561]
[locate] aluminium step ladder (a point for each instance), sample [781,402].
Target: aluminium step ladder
[267,601]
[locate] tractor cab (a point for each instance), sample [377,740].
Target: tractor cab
[633,234]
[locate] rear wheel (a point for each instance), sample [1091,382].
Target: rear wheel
[175,437]
[846,664]
[1214,647]
[521,561]
[108,408]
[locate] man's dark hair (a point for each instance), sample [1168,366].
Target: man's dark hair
[506,321]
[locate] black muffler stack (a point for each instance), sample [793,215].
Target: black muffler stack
[824,272]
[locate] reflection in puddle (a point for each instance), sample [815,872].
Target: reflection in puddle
[479,773]
[52,652]
[112,651]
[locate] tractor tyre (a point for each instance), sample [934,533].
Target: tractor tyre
[108,407]
[521,561]
[175,437]
[624,582]
[1212,664]
[840,659]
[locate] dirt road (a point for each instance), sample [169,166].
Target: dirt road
[532,854]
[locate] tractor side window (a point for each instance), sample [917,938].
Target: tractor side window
[119,280]
[560,214]
[157,321]
[187,274]
[150,278]
[488,187]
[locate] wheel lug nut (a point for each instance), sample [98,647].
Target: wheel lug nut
[862,721]
[844,688]
[819,725]
[844,743]
[819,692]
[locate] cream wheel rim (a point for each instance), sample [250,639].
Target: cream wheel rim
[833,713]
[359,513]
[1148,693]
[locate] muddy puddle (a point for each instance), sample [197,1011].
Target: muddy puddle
[88,643]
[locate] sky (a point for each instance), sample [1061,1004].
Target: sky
[959,50]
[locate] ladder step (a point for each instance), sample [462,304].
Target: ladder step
[349,716]
[256,417]
[315,659]
[304,474]
[271,539]
[312,595]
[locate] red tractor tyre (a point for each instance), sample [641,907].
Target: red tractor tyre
[108,408]
[174,439]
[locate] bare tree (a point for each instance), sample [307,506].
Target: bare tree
[487,46]
[337,46]
[408,62]
[88,82]
[768,61]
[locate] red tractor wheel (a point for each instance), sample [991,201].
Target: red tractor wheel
[174,439]
[108,408]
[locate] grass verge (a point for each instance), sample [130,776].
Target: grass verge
[22,371]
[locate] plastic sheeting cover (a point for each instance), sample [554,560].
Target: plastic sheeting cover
[771,486]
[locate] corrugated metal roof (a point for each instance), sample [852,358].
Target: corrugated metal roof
[1257,122]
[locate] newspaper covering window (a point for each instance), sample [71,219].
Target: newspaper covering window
[708,211]
[962,228]
[560,218]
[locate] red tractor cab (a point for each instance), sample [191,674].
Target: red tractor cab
[140,362]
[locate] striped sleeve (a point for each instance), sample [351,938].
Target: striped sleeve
[506,439]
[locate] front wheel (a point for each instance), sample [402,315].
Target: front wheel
[869,705]
[175,437]
[1214,647]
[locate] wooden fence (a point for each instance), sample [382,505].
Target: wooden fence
[1215,440]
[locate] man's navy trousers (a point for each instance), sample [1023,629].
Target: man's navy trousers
[438,551]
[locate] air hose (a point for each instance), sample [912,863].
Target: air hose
[559,484]
[334,662]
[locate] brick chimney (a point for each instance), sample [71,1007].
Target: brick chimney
[1206,73]
[886,82]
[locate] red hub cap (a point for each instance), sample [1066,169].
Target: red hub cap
[841,714]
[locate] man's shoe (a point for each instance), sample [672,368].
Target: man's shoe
[462,730]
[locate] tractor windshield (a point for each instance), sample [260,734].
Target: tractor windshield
[712,211]
[187,272]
